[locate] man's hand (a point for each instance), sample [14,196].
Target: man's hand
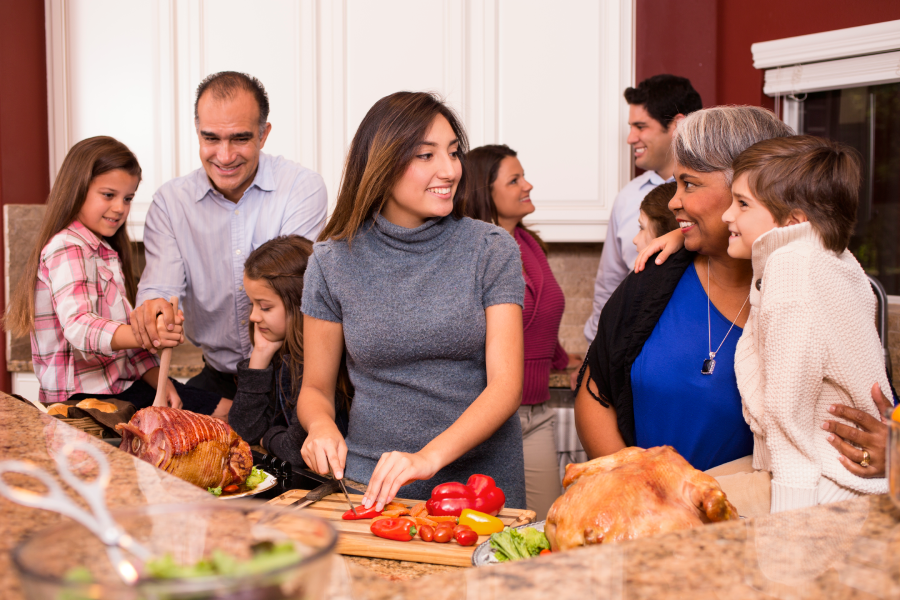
[144,324]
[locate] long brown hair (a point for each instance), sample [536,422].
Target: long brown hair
[384,145]
[281,263]
[484,164]
[86,160]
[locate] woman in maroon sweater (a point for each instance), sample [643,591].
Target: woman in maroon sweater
[502,196]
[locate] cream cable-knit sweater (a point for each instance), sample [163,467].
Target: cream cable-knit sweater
[809,342]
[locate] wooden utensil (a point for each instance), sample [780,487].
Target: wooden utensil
[165,358]
[355,538]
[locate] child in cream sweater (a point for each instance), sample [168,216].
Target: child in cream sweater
[810,340]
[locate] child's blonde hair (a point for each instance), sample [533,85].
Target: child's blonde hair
[86,160]
[817,176]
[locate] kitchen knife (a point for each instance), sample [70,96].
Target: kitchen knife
[347,496]
[326,489]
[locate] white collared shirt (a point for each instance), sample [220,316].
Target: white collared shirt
[196,243]
[619,251]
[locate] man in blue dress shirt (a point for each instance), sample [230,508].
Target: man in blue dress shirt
[655,107]
[201,227]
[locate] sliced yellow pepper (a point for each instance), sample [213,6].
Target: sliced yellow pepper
[481,523]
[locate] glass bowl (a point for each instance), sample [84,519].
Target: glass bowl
[893,460]
[189,533]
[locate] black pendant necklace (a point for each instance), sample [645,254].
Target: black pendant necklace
[709,365]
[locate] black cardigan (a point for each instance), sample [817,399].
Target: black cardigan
[626,322]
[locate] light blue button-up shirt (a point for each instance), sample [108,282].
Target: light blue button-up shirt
[196,243]
[619,251]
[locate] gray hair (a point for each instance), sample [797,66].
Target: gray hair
[709,140]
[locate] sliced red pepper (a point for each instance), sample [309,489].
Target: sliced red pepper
[361,513]
[402,530]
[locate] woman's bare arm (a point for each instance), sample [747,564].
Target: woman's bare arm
[596,425]
[324,447]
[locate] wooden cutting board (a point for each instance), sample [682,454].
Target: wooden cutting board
[355,539]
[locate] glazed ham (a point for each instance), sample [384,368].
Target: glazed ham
[630,494]
[197,448]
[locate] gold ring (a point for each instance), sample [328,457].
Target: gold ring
[866,458]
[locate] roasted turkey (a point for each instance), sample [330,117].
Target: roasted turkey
[630,494]
[197,448]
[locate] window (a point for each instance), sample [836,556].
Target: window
[867,118]
[845,85]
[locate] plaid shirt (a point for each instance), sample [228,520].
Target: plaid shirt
[79,302]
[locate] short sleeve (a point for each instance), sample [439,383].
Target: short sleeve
[317,299]
[503,282]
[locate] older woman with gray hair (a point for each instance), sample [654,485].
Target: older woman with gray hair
[661,369]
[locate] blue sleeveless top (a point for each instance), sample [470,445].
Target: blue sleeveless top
[674,404]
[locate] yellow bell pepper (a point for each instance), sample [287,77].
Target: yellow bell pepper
[481,523]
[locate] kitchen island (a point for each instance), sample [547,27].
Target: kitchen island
[845,550]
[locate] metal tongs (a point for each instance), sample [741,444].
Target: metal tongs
[100,523]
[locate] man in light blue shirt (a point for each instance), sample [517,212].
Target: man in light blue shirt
[201,227]
[655,107]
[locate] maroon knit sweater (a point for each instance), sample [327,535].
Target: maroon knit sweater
[544,305]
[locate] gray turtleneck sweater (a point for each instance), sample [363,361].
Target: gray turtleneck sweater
[412,305]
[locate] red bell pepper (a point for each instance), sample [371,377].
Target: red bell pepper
[361,513]
[489,499]
[480,493]
[402,530]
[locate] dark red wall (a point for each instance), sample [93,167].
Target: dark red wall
[24,158]
[709,41]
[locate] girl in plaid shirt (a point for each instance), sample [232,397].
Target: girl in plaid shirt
[78,289]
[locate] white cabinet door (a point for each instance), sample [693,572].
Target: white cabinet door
[545,78]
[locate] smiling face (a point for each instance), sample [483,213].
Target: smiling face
[230,141]
[650,141]
[645,235]
[747,219]
[427,187]
[108,202]
[267,312]
[511,193]
[699,203]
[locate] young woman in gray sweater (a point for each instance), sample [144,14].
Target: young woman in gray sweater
[427,305]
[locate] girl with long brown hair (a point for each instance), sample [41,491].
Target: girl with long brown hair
[264,410]
[78,288]
[426,303]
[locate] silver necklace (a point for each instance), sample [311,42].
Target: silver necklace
[709,364]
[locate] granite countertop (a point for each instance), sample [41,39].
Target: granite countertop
[187,361]
[839,551]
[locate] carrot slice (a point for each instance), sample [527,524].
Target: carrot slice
[393,505]
[441,519]
[425,521]
[395,513]
[419,510]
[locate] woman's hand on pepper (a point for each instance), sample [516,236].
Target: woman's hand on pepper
[394,470]
[325,450]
